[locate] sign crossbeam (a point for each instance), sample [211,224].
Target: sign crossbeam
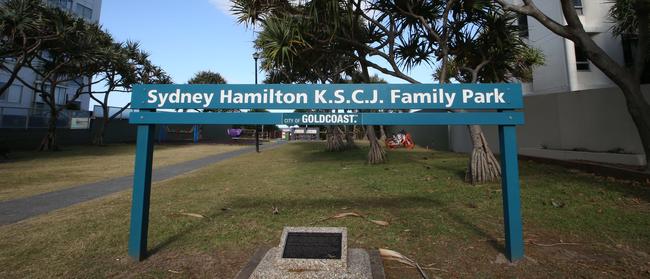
[481,99]
[261,118]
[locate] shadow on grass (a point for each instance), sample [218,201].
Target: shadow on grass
[530,171]
[320,203]
[458,173]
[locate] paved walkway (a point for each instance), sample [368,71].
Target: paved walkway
[13,211]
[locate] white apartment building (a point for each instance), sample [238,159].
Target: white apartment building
[20,99]
[572,110]
[567,68]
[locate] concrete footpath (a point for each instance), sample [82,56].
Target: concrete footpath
[13,211]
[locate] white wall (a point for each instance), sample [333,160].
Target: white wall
[96,5]
[559,74]
[595,120]
[553,76]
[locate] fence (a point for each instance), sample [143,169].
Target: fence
[26,118]
[99,113]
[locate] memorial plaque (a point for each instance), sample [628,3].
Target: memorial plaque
[313,248]
[312,245]
[314,253]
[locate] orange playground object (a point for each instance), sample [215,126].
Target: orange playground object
[399,140]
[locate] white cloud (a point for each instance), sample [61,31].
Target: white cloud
[222,5]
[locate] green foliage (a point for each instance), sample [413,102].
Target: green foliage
[62,49]
[624,16]
[207,77]
[329,40]
[434,217]
[493,51]
[296,40]
[20,26]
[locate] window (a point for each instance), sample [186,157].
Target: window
[84,11]
[13,94]
[577,4]
[65,5]
[630,46]
[582,62]
[3,97]
[522,24]
[60,95]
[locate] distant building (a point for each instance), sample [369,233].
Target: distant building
[305,133]
[567,68]
[20,99]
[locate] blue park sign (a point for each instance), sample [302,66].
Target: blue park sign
[348,104]
[327,96]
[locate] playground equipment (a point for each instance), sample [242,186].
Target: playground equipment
[246,134]
[400,139]
[180,133]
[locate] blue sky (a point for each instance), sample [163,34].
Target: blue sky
[184,37]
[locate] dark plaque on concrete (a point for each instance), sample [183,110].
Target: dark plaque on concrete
[312,245]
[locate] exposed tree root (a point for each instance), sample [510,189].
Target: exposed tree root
[483,166]
[334,139]
[376,154]
[349,138]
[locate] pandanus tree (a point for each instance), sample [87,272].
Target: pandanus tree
[409,33]
[22,35]
[124,64]
[490,51]
[413,33]
[72,56]
[62,50]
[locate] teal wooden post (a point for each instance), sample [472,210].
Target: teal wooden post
[141,193]
[196,134]
[162,133]
[510,192]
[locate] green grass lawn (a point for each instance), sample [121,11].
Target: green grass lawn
[575,224]
[30,172]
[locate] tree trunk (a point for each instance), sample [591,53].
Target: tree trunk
[639,110]
[349,138]
[99,137]
[628,81]
[376,154]
[12,77]
[334,139]
[361,132]
[483,166]
[49,141]
[382,133]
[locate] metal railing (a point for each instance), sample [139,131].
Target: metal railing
[26,118]
[98,112]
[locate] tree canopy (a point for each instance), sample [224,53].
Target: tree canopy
[207,77]
[62,49]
